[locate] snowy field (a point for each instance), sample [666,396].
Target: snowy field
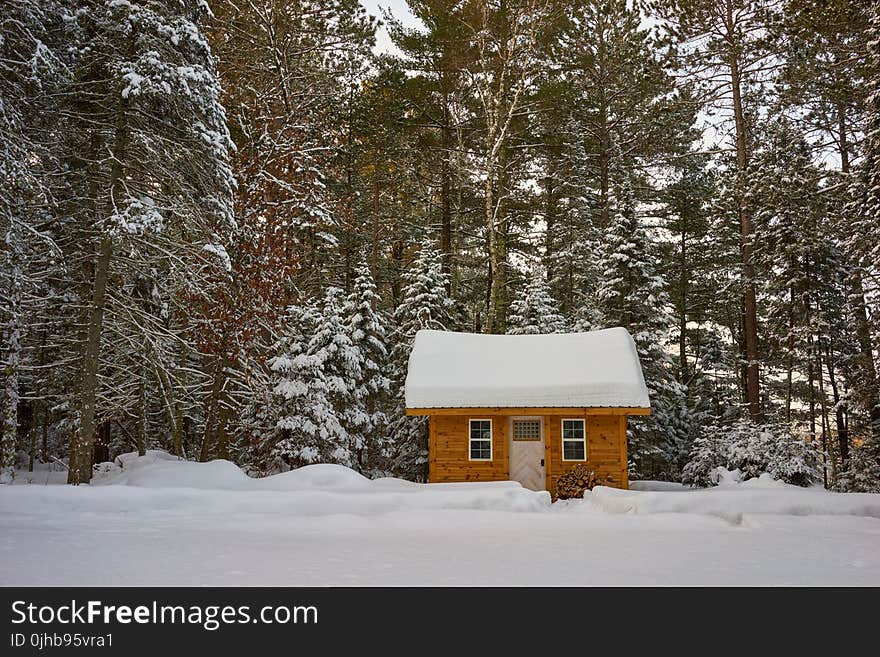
[159,521]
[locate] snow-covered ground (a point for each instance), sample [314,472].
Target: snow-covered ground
[159,521]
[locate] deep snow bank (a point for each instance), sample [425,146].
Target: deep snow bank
[318,489]
[755,496]
[161,483]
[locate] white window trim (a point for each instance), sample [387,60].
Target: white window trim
[573,440]
[491,439]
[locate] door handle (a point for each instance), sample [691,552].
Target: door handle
[542,463]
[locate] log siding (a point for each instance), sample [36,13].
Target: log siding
[449,445]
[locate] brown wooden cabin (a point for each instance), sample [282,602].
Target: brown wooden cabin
[526,407]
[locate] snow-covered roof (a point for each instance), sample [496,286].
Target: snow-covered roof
[468,370]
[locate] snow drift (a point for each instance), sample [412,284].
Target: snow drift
[155,520]
[318,489]
[734,500]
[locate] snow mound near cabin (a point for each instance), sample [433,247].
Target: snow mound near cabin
[733,501]
[317,489]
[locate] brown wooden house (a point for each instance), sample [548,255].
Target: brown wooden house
[526,407]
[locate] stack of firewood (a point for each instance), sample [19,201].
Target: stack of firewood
[573,483]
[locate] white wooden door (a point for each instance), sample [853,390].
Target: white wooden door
[527,453]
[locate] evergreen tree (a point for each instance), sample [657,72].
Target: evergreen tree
[342,365]
[720,46]
[366,327]
[146,149]
[861,240]
[32,66]
[802,272]
[308,427]
[633,295]
[752,451]
[534,310]
[425,305]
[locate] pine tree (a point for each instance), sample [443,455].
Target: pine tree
[436,59]
[31,69]
[802,272]
[147,155]
[752,451]
[534,310]
[342,365]
[366,327]
[308,427]
[720,47]
[425,305]
[623,108]
[633,295]
[861,241]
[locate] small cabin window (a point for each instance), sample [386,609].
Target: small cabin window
[480,443]
[574,440]
[527,429]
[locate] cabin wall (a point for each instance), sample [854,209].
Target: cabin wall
[448,449]
[606,449]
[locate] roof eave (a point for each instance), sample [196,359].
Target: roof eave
[530,410]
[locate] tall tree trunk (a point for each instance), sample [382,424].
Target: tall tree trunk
[44,437]
[839,413]
[212,416]
[82,445]
[870,391]
[605,139]
[397,251]
[141,432]
[222,431]
[446,194]
[823,402]
[750,305]
[83,441]
[550,225]
[377,223]
[12,360]
[492,247]
[682,317]
[35,429]
[790,369]
[842,140]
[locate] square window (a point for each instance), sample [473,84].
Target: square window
[527,430]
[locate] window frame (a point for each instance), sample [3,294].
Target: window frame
[529,418]
[564,440]
[471,439]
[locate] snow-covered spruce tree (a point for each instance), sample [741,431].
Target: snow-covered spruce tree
[342,364]
[424,305]
[862,242]
[534,310]
[576,273]
[308,429]
[632,294]
[146,150]
[366,325]
[753,450]
[571,238]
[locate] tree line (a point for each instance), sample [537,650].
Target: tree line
[223,225]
